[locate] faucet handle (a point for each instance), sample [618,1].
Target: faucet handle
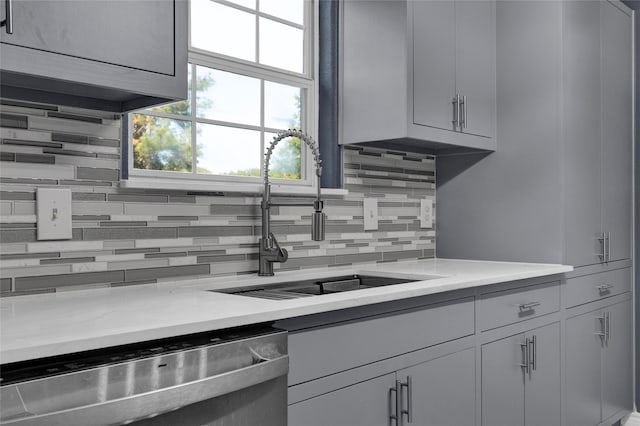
[283,254]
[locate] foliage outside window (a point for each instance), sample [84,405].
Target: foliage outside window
[249,77]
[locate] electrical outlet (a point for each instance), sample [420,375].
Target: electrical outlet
[54,213]
[426,213]
[370,214]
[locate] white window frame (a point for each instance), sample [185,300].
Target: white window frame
[306,81]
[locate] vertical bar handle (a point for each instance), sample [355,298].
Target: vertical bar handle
[525,355]
[393,413]
[607,326]
[456,111]
[603,326]
[533,345]
[463,113]
[608,246]
[603,254]
[409,410]
[8,20]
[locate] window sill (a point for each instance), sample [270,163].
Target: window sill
[252,188]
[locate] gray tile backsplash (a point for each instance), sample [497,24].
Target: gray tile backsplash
[129,237]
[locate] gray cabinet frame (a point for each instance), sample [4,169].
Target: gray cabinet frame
[66,76]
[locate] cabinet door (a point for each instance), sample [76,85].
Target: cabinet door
[581,82]
[475,59]
[364,404]
[617,98]
[443,390]
[582,369]
[503,382]
[433,63]
[86,30]
[617,362]
[542,387]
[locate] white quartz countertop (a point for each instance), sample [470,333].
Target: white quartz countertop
[58,323]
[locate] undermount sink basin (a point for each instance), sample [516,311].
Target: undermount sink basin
[317,287]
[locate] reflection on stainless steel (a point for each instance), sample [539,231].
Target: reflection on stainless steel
[151,382]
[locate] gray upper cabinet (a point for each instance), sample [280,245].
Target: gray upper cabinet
[403,65]
[559,188]
[597,131]
[453,65]
[114,56]
[617,121]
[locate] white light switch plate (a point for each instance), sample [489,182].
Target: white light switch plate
[370,214]
[54,213]
[426,213]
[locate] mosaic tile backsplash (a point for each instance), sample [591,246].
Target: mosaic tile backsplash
[127,237]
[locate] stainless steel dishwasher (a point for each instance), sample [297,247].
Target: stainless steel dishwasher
[235,377]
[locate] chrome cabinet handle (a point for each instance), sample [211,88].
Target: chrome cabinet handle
[603,254]
[463,113]
[528,306]
[604,288]
[533,348]
[525,356]
[393,413]
[608,247]
[8,20]
[409,410]
[456,111]
[603,326]
[607,327]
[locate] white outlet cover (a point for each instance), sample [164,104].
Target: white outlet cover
[426,213]
[370,211]
[54,213]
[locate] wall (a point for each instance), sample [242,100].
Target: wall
[127,237]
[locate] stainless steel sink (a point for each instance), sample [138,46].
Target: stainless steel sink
[316,287]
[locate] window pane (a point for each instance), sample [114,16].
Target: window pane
[161,143]
[291,10]
[182,107]
[281,45]
[225,150]
[285,160]
[251,4]
[223,29]
[228,97]
[281,106]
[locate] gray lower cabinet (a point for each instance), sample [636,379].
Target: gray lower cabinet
[521,379]
[598,365]
[362,404]
[115,56]
[438,392]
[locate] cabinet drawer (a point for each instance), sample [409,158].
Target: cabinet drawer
[510,306]
[588,288]
[321,351]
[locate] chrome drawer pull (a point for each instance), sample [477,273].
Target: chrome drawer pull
[604,288]
[528,306]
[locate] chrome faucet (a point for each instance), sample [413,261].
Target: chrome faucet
[268,254]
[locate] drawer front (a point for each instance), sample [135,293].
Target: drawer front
[581,290]
[511,306]
[321,351]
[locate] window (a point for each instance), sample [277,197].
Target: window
[250,76]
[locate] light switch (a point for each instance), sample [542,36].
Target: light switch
[426,213]
[370,214]
[54,213]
